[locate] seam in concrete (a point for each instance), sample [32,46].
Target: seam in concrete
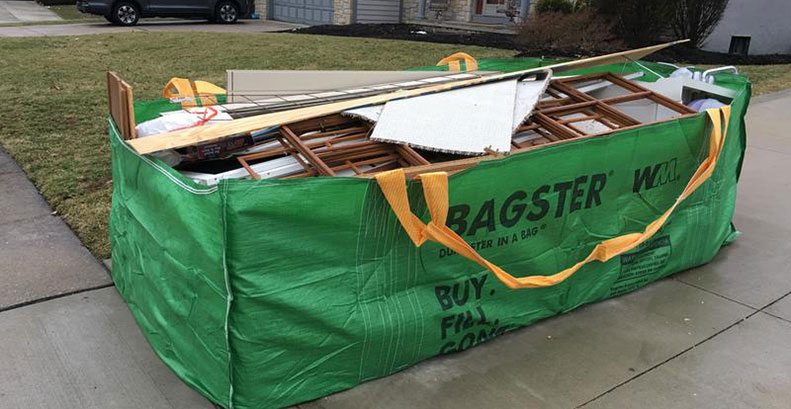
[667,360]
[777,316]
[52,297]
[773,303]
[715,294]
[685,350]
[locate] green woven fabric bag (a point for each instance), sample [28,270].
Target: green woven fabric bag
[268,293]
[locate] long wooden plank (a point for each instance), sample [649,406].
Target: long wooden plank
[197,135]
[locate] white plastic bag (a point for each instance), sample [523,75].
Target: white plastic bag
[171,121]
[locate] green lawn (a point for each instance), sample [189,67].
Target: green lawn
[70,12]
[54,96]
[767,78]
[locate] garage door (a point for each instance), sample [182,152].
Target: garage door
[303,11]
[378,11]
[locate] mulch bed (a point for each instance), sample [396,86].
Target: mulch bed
[412,32]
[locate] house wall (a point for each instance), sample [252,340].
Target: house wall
[377,11]
[767,21]
[343,12]
[262,8]
[409,10]
[462,11]
[458,10]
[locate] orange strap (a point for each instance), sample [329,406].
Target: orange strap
[192,93]
[454,62]
[435,190]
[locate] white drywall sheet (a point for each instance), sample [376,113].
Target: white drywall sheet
[463,121]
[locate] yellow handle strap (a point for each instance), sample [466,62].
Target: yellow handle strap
[435,190]
[454,62]
[180,88]
[207,88]
[191,93]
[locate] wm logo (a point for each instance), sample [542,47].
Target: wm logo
[656,175]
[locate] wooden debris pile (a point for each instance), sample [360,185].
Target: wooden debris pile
[570,113]
[333,145]
[318,140]
[339,145]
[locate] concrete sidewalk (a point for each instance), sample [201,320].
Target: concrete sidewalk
[153,25]
[41,256]
[711,337]
[67,340]
[24,11]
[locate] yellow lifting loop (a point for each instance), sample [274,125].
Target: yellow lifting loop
[435,191]
[190,95]
[454,62]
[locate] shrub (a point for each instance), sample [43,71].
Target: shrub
[554,6]
[583,32]
[580,5]
[639,22]
[696,19]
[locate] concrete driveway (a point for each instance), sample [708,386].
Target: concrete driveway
[102,27]
[712,337]
[23,11]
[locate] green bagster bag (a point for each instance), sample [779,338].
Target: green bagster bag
[268,293]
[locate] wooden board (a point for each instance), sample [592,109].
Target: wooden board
[197,135]
[114,92]
[130,110]
[121,103]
